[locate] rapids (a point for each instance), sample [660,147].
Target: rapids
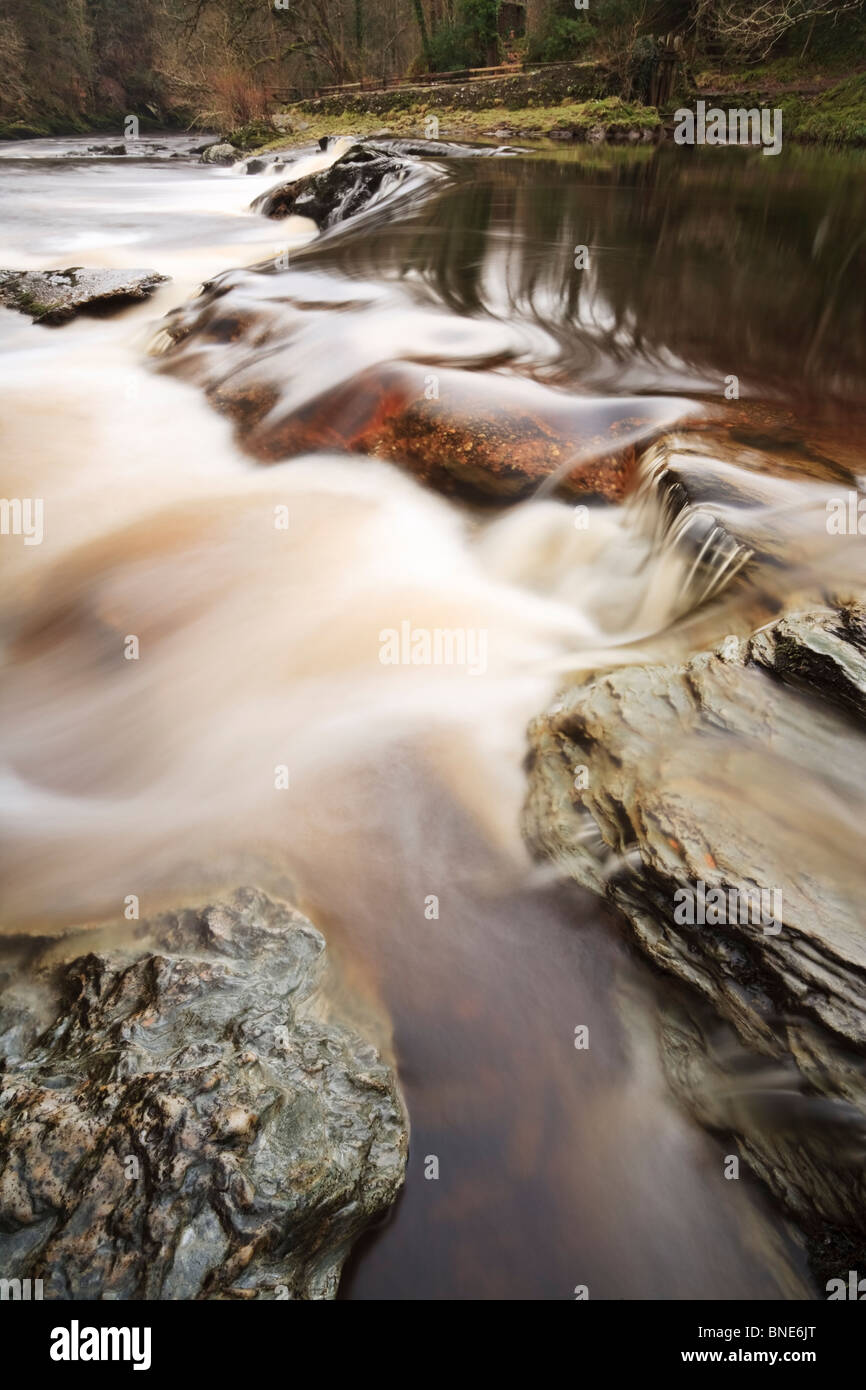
[256,734]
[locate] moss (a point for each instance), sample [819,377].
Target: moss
[610,112]
[28,304]
[832,115]
[819,105]
[23,130]
[615,116]
[251,136]
[836,117]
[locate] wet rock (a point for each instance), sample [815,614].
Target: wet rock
[55,296]
[437,149]
[801,1136]
[749,480]
[106,149]
[681,793]
[182,1117]
[483,437]
[221,153]
[487,436]
[336,193]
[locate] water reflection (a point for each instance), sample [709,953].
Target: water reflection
[699,266]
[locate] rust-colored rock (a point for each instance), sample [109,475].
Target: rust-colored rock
[481,435]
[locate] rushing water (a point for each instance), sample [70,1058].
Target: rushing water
[260,647]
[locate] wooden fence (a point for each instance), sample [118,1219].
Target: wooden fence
[424,79]
[662,79]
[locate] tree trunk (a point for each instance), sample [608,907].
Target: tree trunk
[422,26]
[537,15]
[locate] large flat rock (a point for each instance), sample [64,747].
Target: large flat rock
[56,296]
[184,1118]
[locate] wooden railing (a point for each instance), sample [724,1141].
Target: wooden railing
[423,79]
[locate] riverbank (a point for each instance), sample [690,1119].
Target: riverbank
[819,106]
[606,118]
[576,101]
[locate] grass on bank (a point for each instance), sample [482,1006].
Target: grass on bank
[835,115]
[610,113]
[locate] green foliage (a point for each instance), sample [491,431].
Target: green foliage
[75,64]
[614,14]
[836,117]
[447,49]
[251,136]
[471,41]
[561,40]
[644,52]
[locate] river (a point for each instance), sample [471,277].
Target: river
[260,647]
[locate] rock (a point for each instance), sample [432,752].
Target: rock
[750,477]
[220,153]
[336,193]
[436,149]
[491,437]
[182,1118]
[106,149]
[740,770]
[55,296]
[485,438]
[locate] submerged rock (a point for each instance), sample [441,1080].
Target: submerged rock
[55,296]
[716,803]
[488,436]
[335,193]
[484,437]
[183,1118]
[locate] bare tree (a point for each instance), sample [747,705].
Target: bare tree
[754,30]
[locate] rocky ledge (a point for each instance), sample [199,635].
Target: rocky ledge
[56,296]
[338,192]
[717,805]
[182,1118]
